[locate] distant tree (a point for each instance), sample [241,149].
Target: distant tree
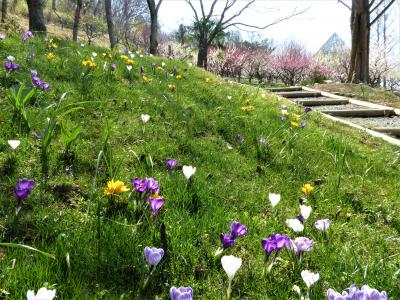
[77,17]
[36,17]
[110,24]
[181,34]
[292,64]
[3,10]
[209,25]
[153,8]
[127,16]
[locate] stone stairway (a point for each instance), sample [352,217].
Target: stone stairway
[378,120]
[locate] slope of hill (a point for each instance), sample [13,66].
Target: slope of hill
[243,148]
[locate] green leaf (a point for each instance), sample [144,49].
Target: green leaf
[22,246]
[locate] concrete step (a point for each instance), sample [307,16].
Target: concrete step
[299,94]
[285,89]
[323,101]
[390,130]
[364,113]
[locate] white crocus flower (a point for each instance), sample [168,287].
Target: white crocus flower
[42,294]
[229,146]
[10,58]
[231,265]
[305,211]
[14,143]
[295,225]
[188,171]
[129,68]
[94,54]
[229,97]
[163,64]
[309,278]
[274,199]
[132,55]
[145,118]
[190,64]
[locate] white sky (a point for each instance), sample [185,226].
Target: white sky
[312,28]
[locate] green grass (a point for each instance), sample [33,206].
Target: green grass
[193,125]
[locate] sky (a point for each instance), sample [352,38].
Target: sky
[312,28]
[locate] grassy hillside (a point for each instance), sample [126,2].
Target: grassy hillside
[98,240]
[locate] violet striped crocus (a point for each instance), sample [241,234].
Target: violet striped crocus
[301,245]
[353,293]
[23,189]
[181,293]
[156,202]
[113,67]
[37,82]
[153,255]
[238,230]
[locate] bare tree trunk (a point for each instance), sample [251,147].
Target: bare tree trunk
[36,17]
[3,11]
[153,34]
[110,25]
[54,5]
[153,8]
[202,55]
[360,32]
[76,20]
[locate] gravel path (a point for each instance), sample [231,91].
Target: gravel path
[376,122]
[338,107]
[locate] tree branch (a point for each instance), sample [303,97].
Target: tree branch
[158,5]
[238,13]
[376,6]
[269,25]
[381,13]
[194,10]
[211,9]
[341,2]
[370,4]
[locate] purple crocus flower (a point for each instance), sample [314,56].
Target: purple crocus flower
[23,188]
[174,69]
[153,255]
[227,240]
[171,164]
[240,138]
[238,230]
[139,184]
[26,36]
[262,140]
[113,67]
[275,242]
[152,186]
[37,82]
[10,66]
[156,202]
[300,218]
[322,225]
[303,124]
[153,65]
[365,293]
[307,109]
[2,36]
[181,293]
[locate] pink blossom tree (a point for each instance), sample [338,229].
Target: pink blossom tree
[292,64]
